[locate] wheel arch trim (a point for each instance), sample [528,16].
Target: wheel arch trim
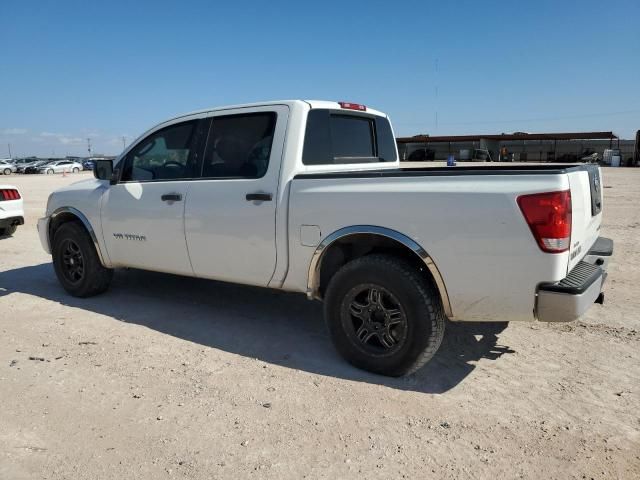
[313,279]
[85,222]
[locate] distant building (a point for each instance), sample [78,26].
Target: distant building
[518,146]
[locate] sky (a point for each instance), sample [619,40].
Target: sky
[72,70]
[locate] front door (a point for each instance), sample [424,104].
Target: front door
[230,213]
[143,215]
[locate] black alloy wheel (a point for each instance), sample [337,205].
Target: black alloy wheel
[72,261]
[374,319]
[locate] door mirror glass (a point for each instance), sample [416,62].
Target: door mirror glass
[103,169]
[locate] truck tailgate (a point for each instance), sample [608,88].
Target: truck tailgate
[586,206]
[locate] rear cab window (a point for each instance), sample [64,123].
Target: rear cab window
[336,137]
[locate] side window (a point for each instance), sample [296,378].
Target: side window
[163,155]
[239,146]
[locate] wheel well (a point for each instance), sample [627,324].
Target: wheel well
[60,219]
[350,247]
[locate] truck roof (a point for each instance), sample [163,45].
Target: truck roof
[312,103]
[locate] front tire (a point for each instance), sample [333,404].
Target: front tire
[7,171]
[383,316]
[76,170]
[76,262]
[50,171]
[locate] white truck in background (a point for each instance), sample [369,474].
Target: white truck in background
[309,196]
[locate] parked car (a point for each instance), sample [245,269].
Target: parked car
[309,196]
[22,166]
[34,166]
[21,161]
[11,210]
[60,166]
[88,165]
[475,155]
[7,168]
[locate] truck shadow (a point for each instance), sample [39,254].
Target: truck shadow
[276,327]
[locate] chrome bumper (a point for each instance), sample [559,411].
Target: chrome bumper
[571,297]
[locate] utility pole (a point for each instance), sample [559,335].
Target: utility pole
[89,146]
[9,150]
[124,142]
[436,102]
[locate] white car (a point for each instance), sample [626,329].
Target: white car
[309,196]
[61,166]
[11,210]
[7,168]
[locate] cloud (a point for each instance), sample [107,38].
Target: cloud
[118,140]
[64,138]
[14,131]
[71,140]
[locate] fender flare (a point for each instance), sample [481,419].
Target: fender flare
[87,225]
[313,279]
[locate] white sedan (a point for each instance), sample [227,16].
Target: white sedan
[61,166]
[7,168]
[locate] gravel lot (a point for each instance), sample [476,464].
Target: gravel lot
[170,377]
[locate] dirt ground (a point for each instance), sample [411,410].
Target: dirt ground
[170,377]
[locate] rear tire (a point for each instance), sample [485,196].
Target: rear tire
[76,170]
[392,332]
[50,171]
[76,262]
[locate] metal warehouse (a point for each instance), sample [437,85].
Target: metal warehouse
[518,146]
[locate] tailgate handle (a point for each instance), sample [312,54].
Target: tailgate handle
[262,197]
[171,197]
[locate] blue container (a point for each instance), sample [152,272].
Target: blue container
[451,161]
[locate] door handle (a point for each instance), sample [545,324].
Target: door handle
[171,197]
[262,197]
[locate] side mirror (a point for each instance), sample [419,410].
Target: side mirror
[103,169]
[115,176]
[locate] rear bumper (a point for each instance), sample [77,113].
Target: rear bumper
[571,297]
[11,221]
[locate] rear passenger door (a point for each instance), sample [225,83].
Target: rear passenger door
[230,213]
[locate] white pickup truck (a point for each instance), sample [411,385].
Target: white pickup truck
[309,196]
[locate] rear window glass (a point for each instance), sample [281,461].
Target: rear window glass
[351,136]
[334,138]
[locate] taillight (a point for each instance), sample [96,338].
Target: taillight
[353,106]
[549,217]
[9,194]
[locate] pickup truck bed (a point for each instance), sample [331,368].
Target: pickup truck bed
[466,218]
[459,169]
